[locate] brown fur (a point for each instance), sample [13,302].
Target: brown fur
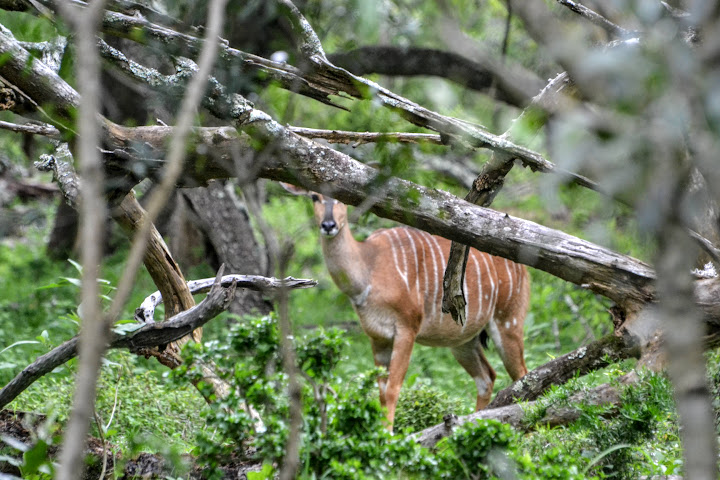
[394,280]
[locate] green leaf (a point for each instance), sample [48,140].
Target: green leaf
[34,458]
[264,474]
[75,281]
[75,264]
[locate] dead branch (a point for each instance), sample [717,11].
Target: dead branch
[598,354]
[32,128]
[514,85]
[356,138]
[597,19]
[61,164]
[146,311]
[515,414]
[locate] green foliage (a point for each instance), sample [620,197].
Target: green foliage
[31,457]
[490,449]
[639,437]
[344,433]
[643,408]
[421,406]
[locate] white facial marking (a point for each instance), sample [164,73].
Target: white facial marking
[507,325]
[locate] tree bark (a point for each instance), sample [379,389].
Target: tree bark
[225,222]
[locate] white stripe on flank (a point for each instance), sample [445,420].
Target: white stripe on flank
[402,274]
[510,276]
[520,277]
[493,290]
[417,264]
[467,302]
[478,314]
[434,300]
[443,264]
[426,284]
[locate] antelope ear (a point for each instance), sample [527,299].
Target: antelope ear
[293,189]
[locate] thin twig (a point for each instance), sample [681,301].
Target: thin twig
[597,19]
[99,423]
[357,138]
[589,334]
[43,129]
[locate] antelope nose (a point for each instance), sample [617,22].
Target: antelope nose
[328,227]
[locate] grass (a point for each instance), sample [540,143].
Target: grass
[145,411]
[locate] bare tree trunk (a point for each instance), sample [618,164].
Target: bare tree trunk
[226,223]
[63,236]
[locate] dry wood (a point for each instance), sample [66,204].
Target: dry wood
[145,312]
[599,354]
[485,187]
[515,414]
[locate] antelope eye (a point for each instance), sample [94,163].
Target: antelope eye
[315,197]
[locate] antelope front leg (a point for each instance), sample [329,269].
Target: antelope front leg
[382,351]
[399,361]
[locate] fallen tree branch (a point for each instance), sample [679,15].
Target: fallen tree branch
[43,129]
[325,79]
[598,354]
[146,311]
[515,415]
[146,336]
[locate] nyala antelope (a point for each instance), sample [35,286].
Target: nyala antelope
[394,281]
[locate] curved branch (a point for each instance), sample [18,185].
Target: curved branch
[515,414]
[146,311]
[598,354]
[513,84]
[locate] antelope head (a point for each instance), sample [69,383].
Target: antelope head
[330,215]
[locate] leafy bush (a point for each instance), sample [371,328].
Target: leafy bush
[421,406]
[617,441]
[490,449]
[344,434]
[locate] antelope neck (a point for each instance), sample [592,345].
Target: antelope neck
[346,261]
